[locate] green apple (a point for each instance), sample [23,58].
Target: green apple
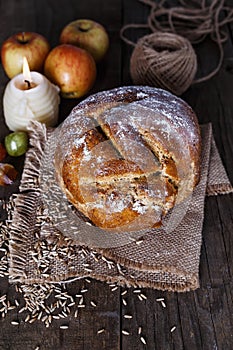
[16,143]
[88,35]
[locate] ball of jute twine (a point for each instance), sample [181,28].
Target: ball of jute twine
[164,60]
[156,64]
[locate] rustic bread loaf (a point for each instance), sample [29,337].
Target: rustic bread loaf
[126,156]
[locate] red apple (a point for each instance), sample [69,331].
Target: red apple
[72,69]
[88,35]
[33,46]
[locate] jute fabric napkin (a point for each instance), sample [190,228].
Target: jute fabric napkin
[165,259]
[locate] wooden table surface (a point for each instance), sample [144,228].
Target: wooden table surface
[203,318]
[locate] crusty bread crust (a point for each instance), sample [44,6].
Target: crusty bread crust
[138,155]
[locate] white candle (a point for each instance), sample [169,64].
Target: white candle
[33,98]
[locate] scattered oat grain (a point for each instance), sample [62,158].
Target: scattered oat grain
[163,303]
[173,329]
[64,327]
[100,331]
[124,292]
[143,340]
[159,299]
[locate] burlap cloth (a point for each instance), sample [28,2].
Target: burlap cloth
[160,259]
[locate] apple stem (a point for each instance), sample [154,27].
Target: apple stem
[21,38]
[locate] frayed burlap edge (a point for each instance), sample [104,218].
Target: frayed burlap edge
[214,190]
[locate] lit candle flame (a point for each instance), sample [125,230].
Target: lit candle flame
[26,71]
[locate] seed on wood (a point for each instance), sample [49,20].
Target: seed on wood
[172,329]
[125,332]
[60,297]
[3,298]
[143,340]
[67,309]
[159,299]
[40,315]
[128,316]
[124,292]
[15,323]
[32,320]
[27,318]
[64,327]
[12,307]
[163,304]
[143,296]
[21,310]
[100,331]
[71,304]
[124,302]
[44,318]
[139,330]
[93,303]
